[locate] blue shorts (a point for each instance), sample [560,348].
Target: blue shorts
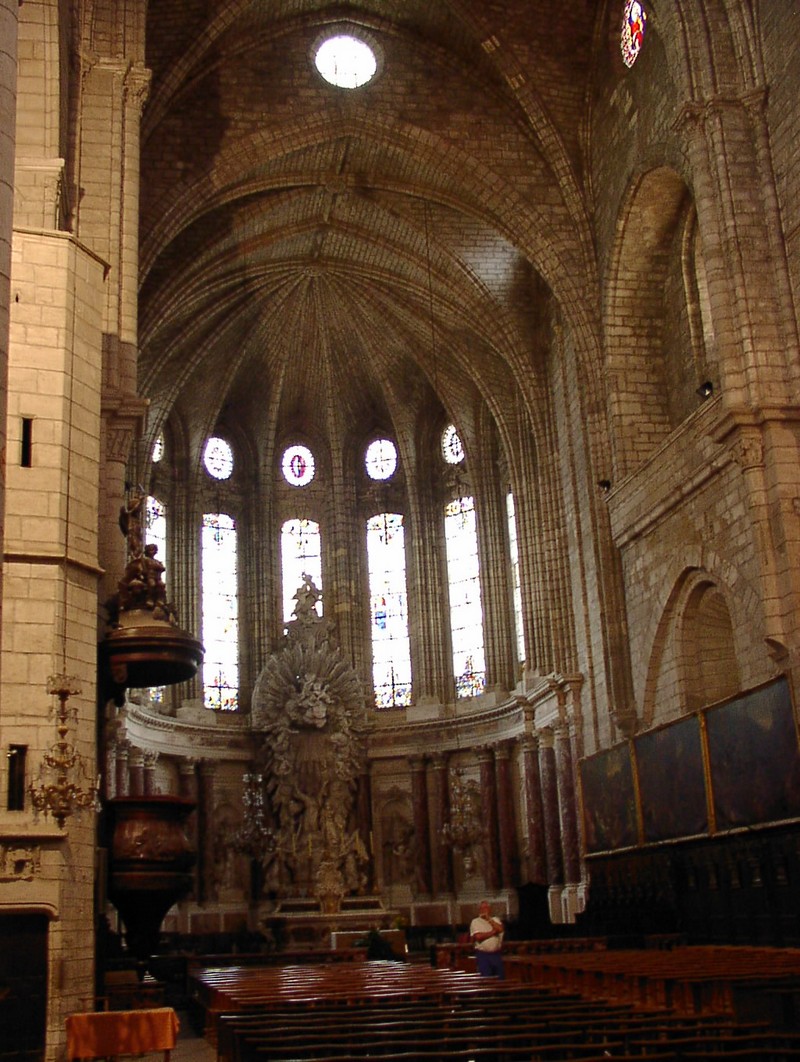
[490,964]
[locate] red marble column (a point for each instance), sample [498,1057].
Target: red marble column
[440,814]
[136,772]
[150,760]
[506,819]
[537,859]
[566,799]
[491,845]
[123,787]
[364,820]
[207,770]
[422,841]
[552,827]
[188,788]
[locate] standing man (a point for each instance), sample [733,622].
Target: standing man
[486,934]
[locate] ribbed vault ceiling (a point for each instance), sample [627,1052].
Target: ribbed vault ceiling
[370,253]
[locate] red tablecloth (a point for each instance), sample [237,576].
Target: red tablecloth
[121,1032]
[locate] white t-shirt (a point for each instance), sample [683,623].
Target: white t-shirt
[483,925]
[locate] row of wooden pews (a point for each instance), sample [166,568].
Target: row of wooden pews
[397,1012]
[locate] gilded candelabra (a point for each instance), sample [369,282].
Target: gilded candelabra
[65,783]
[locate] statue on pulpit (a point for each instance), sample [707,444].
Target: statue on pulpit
[308,710]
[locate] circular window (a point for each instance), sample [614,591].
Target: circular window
[381,459]
[297,465]
[345,61]
[218,458]
[452,448]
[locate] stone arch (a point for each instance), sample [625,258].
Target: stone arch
[645,399]
[693,660]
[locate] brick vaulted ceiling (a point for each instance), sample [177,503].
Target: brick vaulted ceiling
[368,252]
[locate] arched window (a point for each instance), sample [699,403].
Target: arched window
[515,576]
[301,554]
[466,613]
[391,652]
[156,533]
[220,612]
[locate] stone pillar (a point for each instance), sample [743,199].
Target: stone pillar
[568,804]
[150,761]
[443,852]
[506,819]
[491,846]
[552,828]
[422,843]
[8,114]
[121,769]
[537,859]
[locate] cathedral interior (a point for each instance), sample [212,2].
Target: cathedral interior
[400,473]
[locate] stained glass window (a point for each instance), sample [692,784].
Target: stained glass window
[218,458]
[301,554]
[345,61]
[513,547]
[156,532]
[220,612]
[466,613]
[634,21]
[158,449]
[391,652]
[452,447]
[297,465]
[381,459]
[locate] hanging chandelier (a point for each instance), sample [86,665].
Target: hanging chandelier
[65,783]
[255,836]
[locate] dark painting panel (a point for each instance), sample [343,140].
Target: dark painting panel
[753,756]
[671,781]
[609,806]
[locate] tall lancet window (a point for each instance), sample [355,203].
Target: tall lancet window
[301,554]
[391,651]
[220,612]
[464,582]
[516,579]
[156,533]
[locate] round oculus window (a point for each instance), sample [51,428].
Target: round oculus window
[218,458]
[345,61]
[297,465]
[452,447]
[381,459]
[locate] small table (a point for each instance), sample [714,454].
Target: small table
[108,1033]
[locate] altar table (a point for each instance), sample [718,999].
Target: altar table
[108,1033]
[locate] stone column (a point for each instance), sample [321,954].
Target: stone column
[422,843]
[443,852]
[491,846]
[506,819]
[568,804]
[537,858]
[552,828]
[8,115]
